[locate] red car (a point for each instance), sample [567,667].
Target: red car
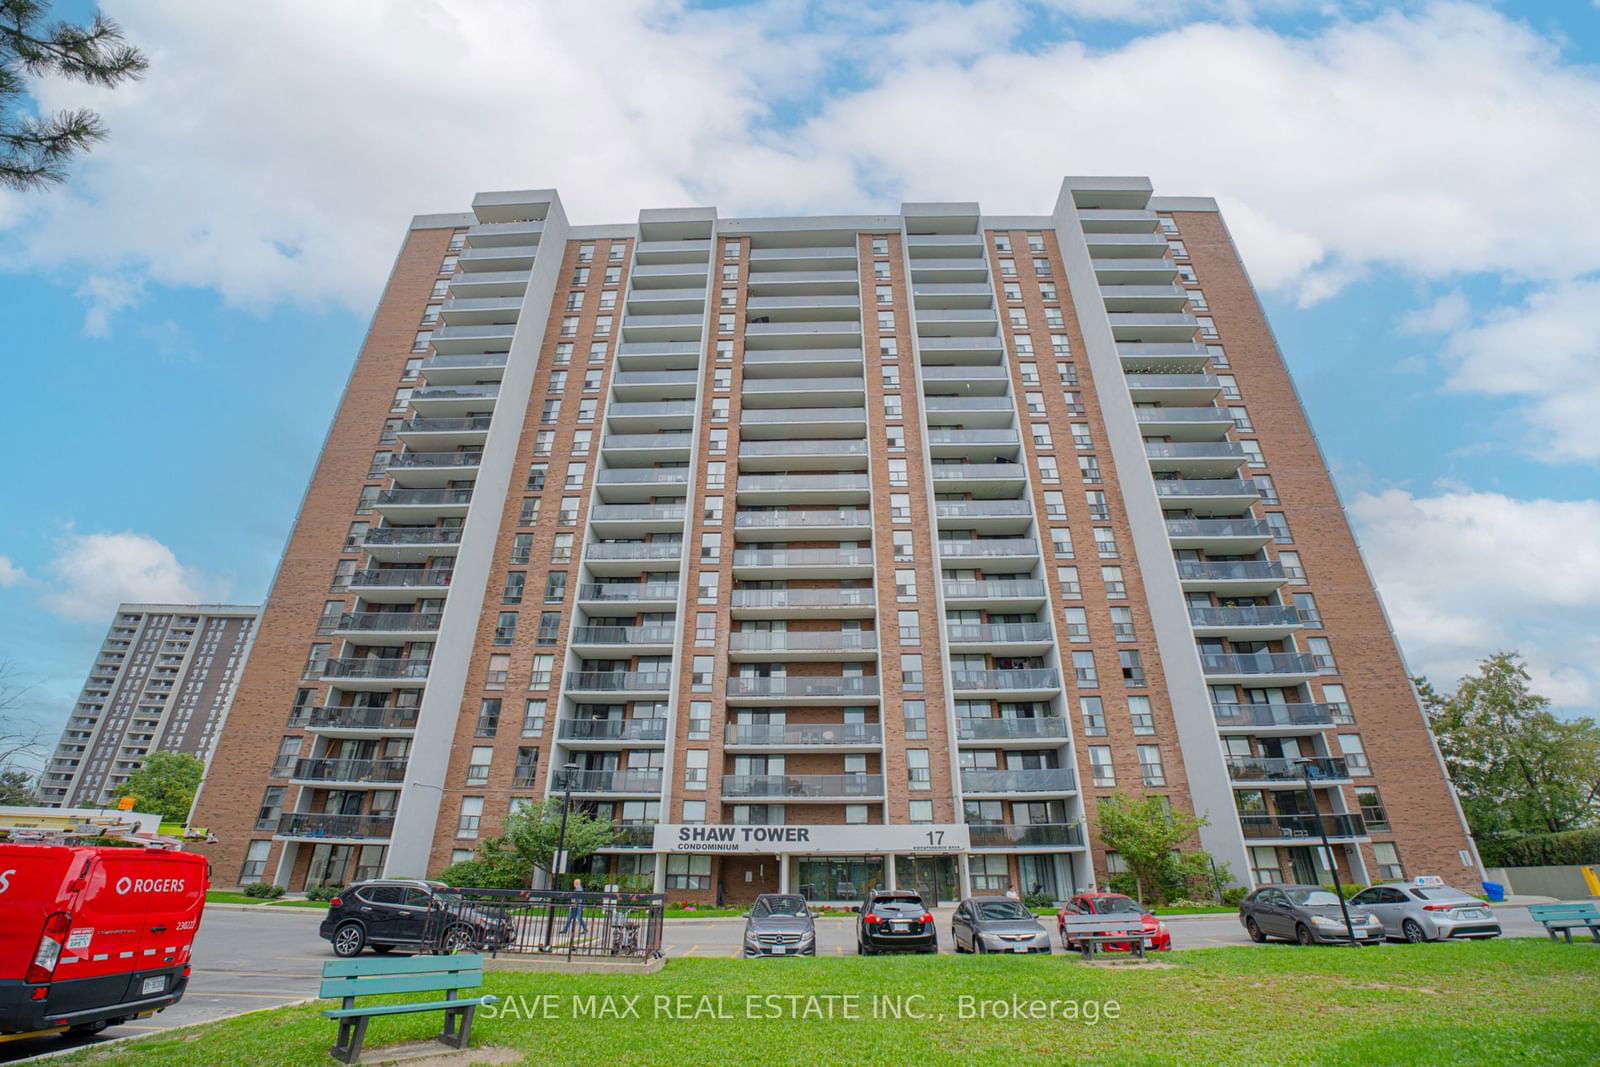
[1158,937]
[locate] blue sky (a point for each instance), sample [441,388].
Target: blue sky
[1412,185]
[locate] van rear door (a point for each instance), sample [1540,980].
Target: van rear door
[174,898]
[107,926]
[33,884]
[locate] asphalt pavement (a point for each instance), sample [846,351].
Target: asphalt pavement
[247,958]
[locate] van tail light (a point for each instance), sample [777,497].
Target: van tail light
[335,903]
[927,916]
[43,968]
[871,920]
[186,971]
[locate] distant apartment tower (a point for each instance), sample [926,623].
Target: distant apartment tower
[821,554]
[161,682]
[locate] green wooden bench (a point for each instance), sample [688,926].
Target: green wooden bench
[1565,918]
[352,978]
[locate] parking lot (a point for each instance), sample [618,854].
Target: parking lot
[246,959]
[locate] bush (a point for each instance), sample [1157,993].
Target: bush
[496,866]
[1349,890]
[263,890]
[326,891]
[1574,847]
[1234,895]
[1039,900]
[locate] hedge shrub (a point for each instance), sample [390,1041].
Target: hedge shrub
[1544,850]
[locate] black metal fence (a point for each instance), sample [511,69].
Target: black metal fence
[546,923]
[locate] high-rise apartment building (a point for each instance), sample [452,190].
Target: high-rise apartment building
[161,682]
[824,553]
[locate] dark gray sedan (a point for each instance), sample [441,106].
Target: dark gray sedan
[1308,914]
[997,924]
[779,924]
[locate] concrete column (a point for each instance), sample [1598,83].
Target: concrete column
[661,874]
[783,872]
[888,873]
[966,875]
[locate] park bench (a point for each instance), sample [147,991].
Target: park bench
[352,978]
[1089,932]
[1564,918]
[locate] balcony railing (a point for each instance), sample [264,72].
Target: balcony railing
[958,472]
[823,733]
[419,497]
[624,635]
[1204,487]
[637,513]
[1040,780]
[625,592]
[613,730]
[423,460]
[1035,678]
[632,780]
[982,509]
[802,785]
[388,621]
[802,557]
[374,668]
[1265,663]
[999,588]
[802,598]
[997,632]
[1266,769]
[320,824]
[1006,729]
[408,535]
[1026,835]
[989,547]
[968,403]
[649,440]
[447,424]
[823,483]
[782,415]
[842,687]
[1273,715]
[803,641]
[764,449]
[341,717]
[644,476]
[403,577]
[1307,827]
[1226,570]
[1217,527]
[458,392]
[1259,615]
[644,551]
[771,520]
[633,835]
[619,681]
[944,436]
[1194,449]
[350,770]
[1181,415]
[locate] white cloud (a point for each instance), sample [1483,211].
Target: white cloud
[1450,312]
[106,296]
[1141,11]
[1359,145]
[1466,574]
[10,573]
[92,573]
[1546,354]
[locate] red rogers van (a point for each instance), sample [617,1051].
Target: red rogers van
[93,936]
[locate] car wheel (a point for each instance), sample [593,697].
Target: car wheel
[458,938]
[1413,933]
[349,940]
[1302,934]
[383,949]
[977,946]
[861,948]
[1254,931]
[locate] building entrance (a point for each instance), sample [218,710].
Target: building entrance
[934,877]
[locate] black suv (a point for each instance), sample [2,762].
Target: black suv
[389,912]
[895,921]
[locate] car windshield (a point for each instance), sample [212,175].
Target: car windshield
[779,906]
[1313,898]
[999,910]
[1115,906]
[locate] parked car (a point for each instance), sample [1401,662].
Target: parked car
[389,913]
[895,921]
[997,924]
[1157,937]
[92,937]
[779,924]
[1425,909]
[1308,914]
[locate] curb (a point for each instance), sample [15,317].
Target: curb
[89,1046]
[260,908]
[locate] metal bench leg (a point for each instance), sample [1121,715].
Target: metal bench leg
[352,1034]
[1568,931]
[457,1026]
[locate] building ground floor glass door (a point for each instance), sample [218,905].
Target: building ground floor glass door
[935,878]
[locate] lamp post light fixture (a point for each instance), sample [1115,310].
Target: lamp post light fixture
[1327,849]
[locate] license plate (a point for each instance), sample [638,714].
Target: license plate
[1475,913]
[778,950]
[899,928]
[1363,933]
[1019,948]
[153,985]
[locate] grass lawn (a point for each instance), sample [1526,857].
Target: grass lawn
[223,896]
[1526,1001]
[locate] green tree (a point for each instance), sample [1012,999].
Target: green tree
[165,784]
[16,789]
[1146,834]
[495,865]
[1517,768]
[532,831]
[34,151]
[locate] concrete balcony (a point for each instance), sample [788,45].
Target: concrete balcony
[1259,668]
[631,557]
[990,412]
[610,733]
[952,295]
[1185,424]
[1231,578]
[1254,771]
[1273,720]
[762,489]
[832,258]
[986,516]
[1049,730]
[600,641]
[1224,537]
[1005,480]
[446,401]
[400,585]
[1028,684]
[965,381]
[944,245]
[631,683]
[624,485]
[1053,781]
[949,269]
[802,363]
[804,307]
[1208,496]
[1301,829]
[806,689]
[670,276]
[445,433]
[804,282]
[777,424]
[478,285]
[374,672]
[1127,270]
[957,322]
[1157,298]
[1147,245]
[654,384]
[644,449]
[493,258]
[642,596]
[433,470]
[635,781]
[1117,220]
[381,627]
[486,337]
[975,446]
[680,327]
[1167,357]
[997,594]
[349,773]
[659,355]
[804,737]
[960,351]
[346,721]
[689,250]
[800,603]
[464,369]
[1197,390]
[803,392]
[650,416]
[828,454]
[836,334]
[635,520]
[779,563]
[333,829]
[495,234]
[652,300]
[803,788]
[411,544]
[1265,623]
[1000,553]
[1014,638]
[1029,837]
[791,645]
[827,524]
[1196,459]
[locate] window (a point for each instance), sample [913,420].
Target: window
[1132,669]
[561,548]
[1252,453]
[694,768]
[1105,542]
[1306,607]
[1388,857]
[402,398]
[880,246]
[1022,345]
[1098,509]
[905,586]
[1230,387]
[700,677]
[317,660]
[1077,622]
[694,811]
[921,811]
[1105,776]
[1041,266]
[911,672]
[555,587]
[910,628]
[1122,624]
[544,442]
[886,322]
[720,408]
[568,515]
[712,516]
[1372,808]
[1035,402]
[1047,292]
[1061,543]
[730,250]
[413,367]
[586,253]
[1048,472]
[574,302]
[512,594]
[575,474]
[255,862]
[521,547]
[533,718]
[1080,436]
[422,340]
[549,627]
[1115,586]
[706,588]
[1355,755]
[690,872]
[710,547]
[1334,697]
[1094,716]
[495,677]
[699,720]
[1074,402]
[1264,865]
[904,545]
[898,472]
[1208,327]
[1018,318]
[887,349]
[478,765]
[1083,671]
[900,507]
[1013,291]
[271,808]
[918,776]
[1241,419]
[1322,651]
[855,813]
[1144,722]
[1055,505]
[891,406]
[1060,345]
[1002,242]
[563,354]
[725,323]
[1041,435]
[724,351]
[891,377]
[543,674]
[1008,268]
[505,630]
[729,298]
[1150,766]
[1053,318]
[587,408]
[1290,561]
[916,715]
[488,717]
[597,349]
[580,276]
[551,412]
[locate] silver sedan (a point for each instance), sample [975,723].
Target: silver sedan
[1427,910]
[997,924]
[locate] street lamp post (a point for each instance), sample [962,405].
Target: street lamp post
[568,771]
[1327,849]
